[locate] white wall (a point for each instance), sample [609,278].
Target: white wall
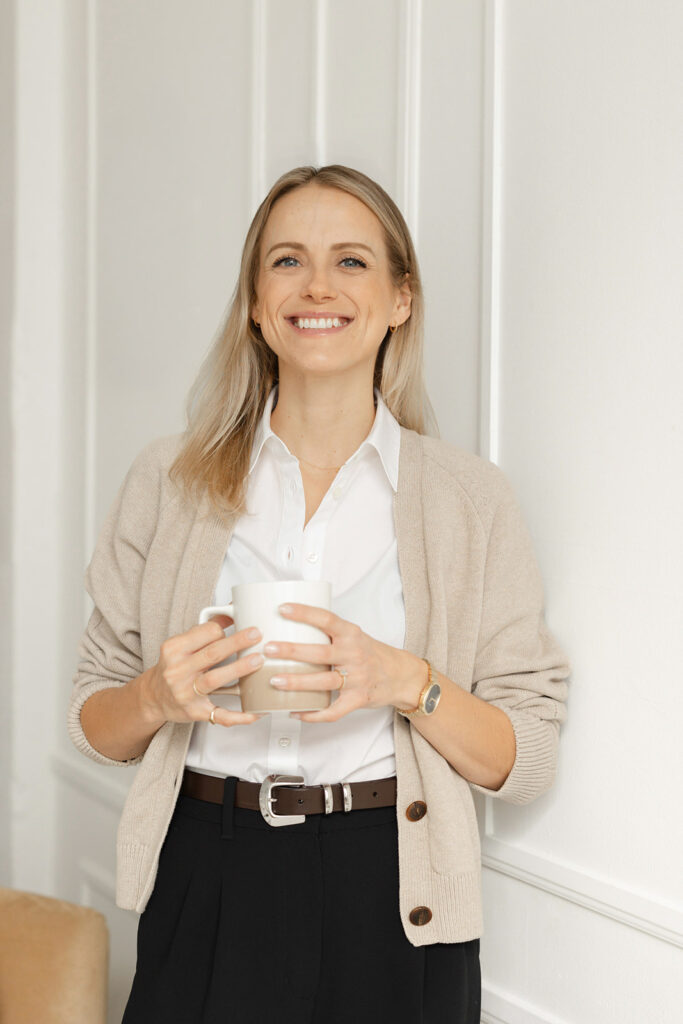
[588,370]
[534,147]
[6,311]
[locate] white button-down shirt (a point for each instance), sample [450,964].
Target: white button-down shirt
[349,541]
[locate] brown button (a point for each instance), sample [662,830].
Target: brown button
[416,810]
[420,915]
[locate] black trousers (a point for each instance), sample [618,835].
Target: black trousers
[250,924]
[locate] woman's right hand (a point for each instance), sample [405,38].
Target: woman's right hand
[189,658]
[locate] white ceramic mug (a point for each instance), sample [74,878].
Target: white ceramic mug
[256,604]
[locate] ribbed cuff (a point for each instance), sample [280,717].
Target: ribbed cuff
[535,760]
[75,728]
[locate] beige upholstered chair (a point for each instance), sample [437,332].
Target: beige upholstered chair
[53,961]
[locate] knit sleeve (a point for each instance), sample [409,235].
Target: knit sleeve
[110,652]
[519,665]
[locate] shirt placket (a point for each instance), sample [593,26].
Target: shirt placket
[285,732]
[303,552]
[315,534]
[289,536]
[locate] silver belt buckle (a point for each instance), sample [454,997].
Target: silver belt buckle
[266,799]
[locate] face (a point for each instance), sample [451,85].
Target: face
[323,258]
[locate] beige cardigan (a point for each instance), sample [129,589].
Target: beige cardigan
[474,607]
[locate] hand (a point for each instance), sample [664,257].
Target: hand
[187,658]
[378,675]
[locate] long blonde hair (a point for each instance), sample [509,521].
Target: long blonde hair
[226,401]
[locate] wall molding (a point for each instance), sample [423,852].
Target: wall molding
[660,920]
[90,780]
[497,1008]
[37,399]
[491,228]
[258,105]
[319,83]
[409,62]
[90,319]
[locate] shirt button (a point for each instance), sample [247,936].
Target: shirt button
[284,741]
[312,556]
[416,810]
[292,486]
[420,915]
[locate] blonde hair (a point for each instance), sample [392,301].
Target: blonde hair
[227,399]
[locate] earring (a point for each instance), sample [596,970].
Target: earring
[392,328]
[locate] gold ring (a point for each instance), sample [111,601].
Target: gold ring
[214,709]
[200,693]
[343,673]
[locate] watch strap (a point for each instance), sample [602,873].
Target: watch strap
[419,709]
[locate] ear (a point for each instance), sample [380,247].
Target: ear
[403,304]
[254,313]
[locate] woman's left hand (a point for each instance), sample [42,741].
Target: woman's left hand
[377,674]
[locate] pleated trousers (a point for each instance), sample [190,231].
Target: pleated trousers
[250,924]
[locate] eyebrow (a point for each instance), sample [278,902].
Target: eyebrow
[302,248]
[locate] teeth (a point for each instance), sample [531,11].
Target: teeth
[320,322]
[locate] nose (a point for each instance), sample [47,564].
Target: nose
[318,284]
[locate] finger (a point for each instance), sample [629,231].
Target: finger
[223,620]
[198,636]
[337,709]
[323,618]
[228,689]
[315,654]
[229,718]
[307,681]
[232,673]
[219,650]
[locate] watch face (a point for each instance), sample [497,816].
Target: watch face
[432,698]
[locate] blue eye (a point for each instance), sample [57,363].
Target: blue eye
[284,261]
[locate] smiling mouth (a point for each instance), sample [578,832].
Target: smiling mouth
[318,324]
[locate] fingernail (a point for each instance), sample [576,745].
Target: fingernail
[254,634]
[286,608]
[256,660]
[278,681]
[270,649]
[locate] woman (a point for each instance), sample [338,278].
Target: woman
[306,456]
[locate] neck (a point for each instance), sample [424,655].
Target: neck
[321,421]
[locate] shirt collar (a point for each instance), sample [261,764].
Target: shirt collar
[384,438]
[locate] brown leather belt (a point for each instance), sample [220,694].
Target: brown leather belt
[291,797]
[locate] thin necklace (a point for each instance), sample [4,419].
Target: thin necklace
[325,468]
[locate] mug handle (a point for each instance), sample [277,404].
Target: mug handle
[204,616]
[208,613]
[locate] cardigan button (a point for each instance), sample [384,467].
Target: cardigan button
[416,810]
[420,915]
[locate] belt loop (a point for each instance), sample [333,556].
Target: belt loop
[227,831]
[329,799]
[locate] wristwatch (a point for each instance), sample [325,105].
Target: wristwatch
[429,697]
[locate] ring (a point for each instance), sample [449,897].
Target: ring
[213,712]
[200,693]
[343,673]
